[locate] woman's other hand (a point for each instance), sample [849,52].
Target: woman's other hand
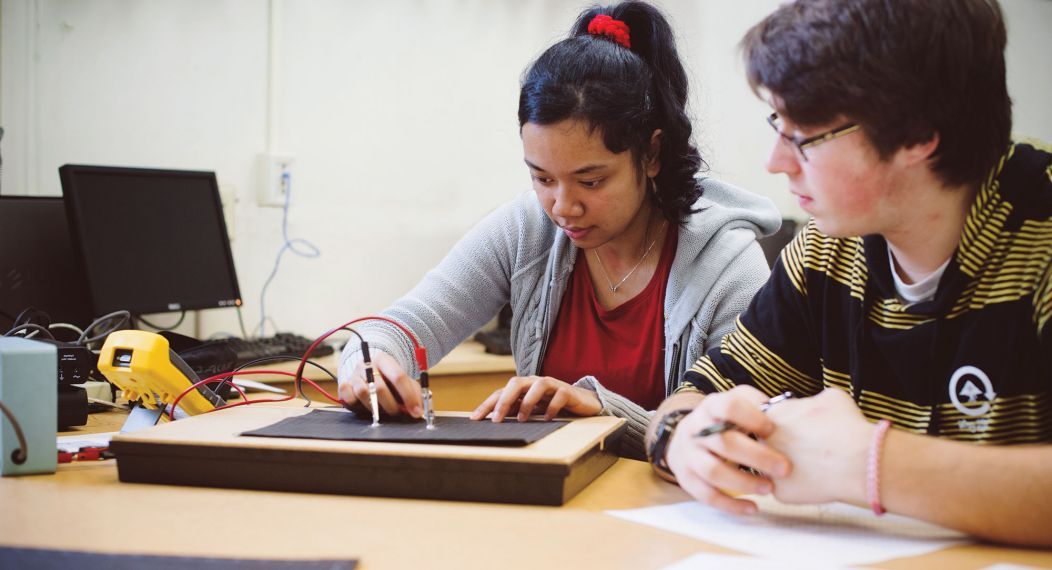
[525,394]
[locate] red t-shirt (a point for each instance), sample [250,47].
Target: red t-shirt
[624,348]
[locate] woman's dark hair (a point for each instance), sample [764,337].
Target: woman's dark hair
[905,70]
[625,94]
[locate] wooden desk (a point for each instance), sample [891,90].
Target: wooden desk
[461,381]
[85,507]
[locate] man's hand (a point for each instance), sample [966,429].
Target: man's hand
[827,440]
[707,467]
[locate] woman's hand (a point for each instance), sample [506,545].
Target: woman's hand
[396,392]
[707,467]
[524,394]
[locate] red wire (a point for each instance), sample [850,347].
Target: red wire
[420,352]
[175,402]
[240,392]
[261,400]
[171,413]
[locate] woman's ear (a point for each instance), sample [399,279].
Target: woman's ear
[652,163]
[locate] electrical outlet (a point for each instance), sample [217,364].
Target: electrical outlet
[278,174]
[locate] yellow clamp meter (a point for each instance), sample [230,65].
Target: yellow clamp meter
[144,366]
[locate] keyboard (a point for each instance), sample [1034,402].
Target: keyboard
[222,355]
[281,344]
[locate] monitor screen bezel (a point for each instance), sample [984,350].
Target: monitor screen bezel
[68,176]
[79,312]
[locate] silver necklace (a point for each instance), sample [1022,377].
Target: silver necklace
[609,282]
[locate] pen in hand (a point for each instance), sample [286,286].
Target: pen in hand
[720,427]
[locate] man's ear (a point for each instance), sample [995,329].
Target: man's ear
[920,152]
[652,164]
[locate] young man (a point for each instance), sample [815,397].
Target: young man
[918,296]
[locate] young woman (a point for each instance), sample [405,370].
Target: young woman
[621,266]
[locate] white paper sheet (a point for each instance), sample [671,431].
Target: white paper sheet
[823,535]
[73,443]
[708,560]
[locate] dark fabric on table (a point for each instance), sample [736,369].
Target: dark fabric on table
[451,430]
[46,559]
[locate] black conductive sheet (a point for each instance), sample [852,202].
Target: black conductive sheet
[340,425]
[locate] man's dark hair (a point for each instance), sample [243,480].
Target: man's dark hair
[625,94]
[905,70]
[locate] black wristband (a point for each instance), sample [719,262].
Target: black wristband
[658,449]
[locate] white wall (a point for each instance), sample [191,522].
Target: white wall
[400,117]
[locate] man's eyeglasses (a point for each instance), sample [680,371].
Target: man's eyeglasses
[802,144]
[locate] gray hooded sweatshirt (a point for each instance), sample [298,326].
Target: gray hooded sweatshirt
[518,255]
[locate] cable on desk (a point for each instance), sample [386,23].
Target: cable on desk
[125,320]
[419,350]
[31,315]
[230,379]
[30,326]
[66,326]
[107,403]
[32,318]
[19,455]
[182,317]
[286,359]
[306,355]
[246,402]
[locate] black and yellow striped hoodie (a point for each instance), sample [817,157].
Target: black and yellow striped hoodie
[972,364]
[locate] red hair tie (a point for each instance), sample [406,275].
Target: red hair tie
[603,25]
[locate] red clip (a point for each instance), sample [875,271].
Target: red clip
[421,358]
[84,454]
[88,454]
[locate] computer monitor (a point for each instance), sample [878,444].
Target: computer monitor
[38,267]
[150,240]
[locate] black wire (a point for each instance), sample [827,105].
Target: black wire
[77,331]
[29,313]
[30,326]
[298,381]
[19,455]
[182,317]
[125,317]
[349,329]
[275,358]
[230,379]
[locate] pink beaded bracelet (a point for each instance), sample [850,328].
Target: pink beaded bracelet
[876,446]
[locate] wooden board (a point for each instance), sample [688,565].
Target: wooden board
[207,451]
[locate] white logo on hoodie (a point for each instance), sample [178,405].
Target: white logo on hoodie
[970,392]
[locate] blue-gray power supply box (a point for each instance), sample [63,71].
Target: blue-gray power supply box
[29,389]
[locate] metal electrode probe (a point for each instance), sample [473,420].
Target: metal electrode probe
[429,410]
[421,361]
[370,380]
